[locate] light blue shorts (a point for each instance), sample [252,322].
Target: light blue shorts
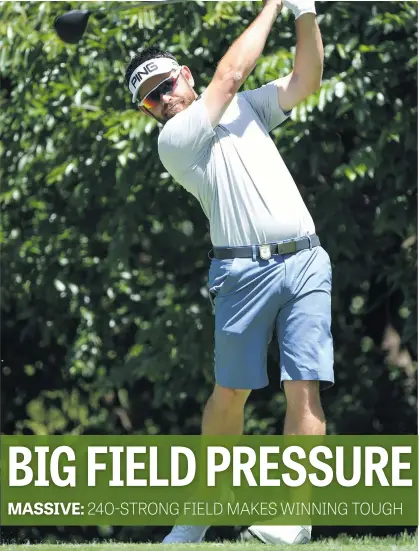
[287,295]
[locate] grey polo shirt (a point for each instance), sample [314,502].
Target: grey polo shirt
[235,170]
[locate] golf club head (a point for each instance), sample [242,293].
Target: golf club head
[70,26]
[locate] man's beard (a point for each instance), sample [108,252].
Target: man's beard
[173,109]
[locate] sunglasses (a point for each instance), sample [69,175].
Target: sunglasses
[152,99]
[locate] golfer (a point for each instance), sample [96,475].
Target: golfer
[268,275]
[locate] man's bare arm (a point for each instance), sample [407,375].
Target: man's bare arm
[306,76]
[239,62]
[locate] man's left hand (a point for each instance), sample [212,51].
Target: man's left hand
[300,7]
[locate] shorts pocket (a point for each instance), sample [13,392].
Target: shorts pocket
[221,276]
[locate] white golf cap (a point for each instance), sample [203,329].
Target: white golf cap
[147,70]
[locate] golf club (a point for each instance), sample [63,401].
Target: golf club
[71,26]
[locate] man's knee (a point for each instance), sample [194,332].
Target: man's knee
[303,397]
[227,399]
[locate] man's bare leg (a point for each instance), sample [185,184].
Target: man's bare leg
[304,410]
[304,416]
[224,412]
[223,415]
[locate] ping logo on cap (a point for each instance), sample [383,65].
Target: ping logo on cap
[147,70]
[143,71]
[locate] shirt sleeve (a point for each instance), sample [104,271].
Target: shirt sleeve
[185,139]
[265,102]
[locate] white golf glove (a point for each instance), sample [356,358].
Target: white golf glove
[300,7]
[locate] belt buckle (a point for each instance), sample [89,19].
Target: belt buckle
[265,252]
[289,247]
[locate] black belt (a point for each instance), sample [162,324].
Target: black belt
[267,250]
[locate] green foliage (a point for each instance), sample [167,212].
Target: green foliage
[105,319]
